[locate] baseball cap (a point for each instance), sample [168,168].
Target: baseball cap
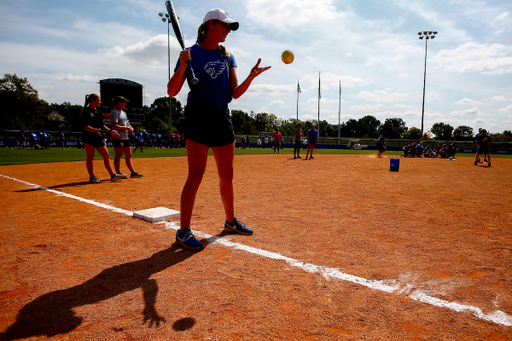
[118,99]
[219,14]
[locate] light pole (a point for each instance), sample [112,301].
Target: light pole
[425,35]
[165,18]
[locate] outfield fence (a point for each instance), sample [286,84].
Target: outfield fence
[11,138]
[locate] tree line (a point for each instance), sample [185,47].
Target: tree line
[21,108]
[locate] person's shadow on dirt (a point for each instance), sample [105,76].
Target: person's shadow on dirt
[57,187]
[52,313]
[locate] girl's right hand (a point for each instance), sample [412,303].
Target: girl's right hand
[185,56]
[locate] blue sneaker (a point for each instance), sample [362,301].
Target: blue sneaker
[237,227]
[188,241]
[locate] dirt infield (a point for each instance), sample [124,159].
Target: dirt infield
[343,249]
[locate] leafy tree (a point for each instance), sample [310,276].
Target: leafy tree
[369,126]
[160,109]
[239,119]
[506,136]
[393,128]
[350,128]
[463,133]
[412,134]
[287,127]
[442,130]
[71,113]
[20,106]
[157,125]
[261,120]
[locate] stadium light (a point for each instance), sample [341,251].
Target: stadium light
[165,18]
[425,35]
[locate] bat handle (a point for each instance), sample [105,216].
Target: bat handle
[193,80]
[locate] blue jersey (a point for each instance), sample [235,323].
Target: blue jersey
[313,134]
[212,70]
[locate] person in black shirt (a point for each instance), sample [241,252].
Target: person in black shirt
[484,147]
[92,121]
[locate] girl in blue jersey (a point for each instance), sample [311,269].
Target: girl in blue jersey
[312,137]
[207,118]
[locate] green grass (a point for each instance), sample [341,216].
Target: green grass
[28,156]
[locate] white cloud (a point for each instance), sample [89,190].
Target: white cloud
[474,57]
[381,96]
[507,110]
[499,98]
[279,103]
[468,112]
[151,52]
[468,101]
[290,13]
[76,78]
[366,107]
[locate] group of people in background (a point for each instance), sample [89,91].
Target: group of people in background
[419,150]
[312,139]
[39,139]
[482,144]
[94,139]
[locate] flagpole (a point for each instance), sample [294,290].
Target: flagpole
[319,96]
[339,114]
[298,87]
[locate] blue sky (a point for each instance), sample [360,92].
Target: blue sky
[65,47]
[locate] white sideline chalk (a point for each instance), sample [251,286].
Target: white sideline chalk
[156,214]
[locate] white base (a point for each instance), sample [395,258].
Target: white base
[156,214]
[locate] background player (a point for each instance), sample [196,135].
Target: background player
[312,137]
[484,147]
[297,134]
[92,121]
[119,123]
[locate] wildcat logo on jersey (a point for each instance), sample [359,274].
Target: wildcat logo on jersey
[215,68]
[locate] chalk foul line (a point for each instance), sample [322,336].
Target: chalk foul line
[388,286]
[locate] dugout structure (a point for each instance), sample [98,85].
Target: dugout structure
[133,91]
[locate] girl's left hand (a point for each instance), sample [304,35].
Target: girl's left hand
[257,70]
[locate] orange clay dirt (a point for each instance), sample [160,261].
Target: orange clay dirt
[424,253]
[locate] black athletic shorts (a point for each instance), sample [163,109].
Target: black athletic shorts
[209,124]
[121,143]
[312,142]
[94,140]
[483,149]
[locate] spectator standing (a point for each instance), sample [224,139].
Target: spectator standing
[381,144]
[119,123]
[452,150]
[484,147]
[61,138]
[92,122]
[277,140]
[312,138]
[297,138]
[21,138]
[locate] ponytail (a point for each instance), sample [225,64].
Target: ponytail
[88,100]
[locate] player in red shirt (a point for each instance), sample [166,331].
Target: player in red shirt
[277,140]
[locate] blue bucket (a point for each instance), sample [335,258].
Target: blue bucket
[394,164]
